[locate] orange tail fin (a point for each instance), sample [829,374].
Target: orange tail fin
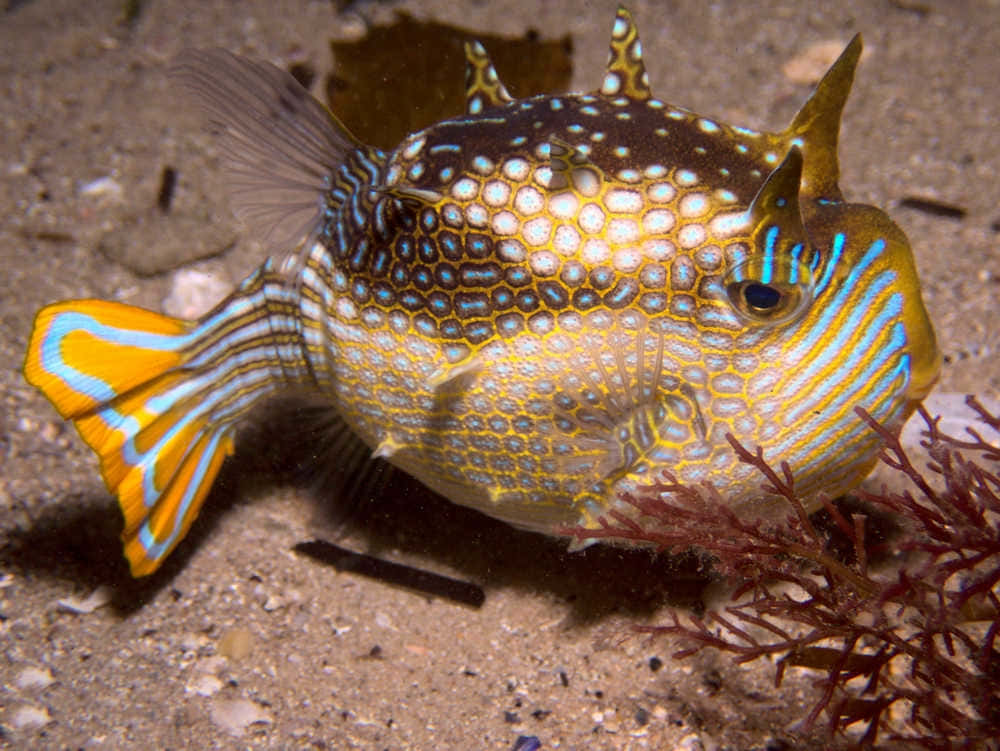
[157,398]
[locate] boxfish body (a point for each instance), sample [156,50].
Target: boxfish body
[533,307]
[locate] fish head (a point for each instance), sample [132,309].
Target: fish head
[806,308]
[827,314]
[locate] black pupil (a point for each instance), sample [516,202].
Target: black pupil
[761,297]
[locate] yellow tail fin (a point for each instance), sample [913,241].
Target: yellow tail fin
[157,398]
[119,373]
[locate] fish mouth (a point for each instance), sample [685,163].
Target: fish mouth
[925,357]
[924,377]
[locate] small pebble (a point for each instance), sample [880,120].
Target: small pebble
[527,743]
[211,665]
[273,602]
[611,724]
[81,606]
[236,643]
[34,679]
[204,684]
[236,715]
[194,292]
[102,187]
[192,642]
[50,432]
[383,620]
[808,66]
[690,742]
[351,27]
[28,717]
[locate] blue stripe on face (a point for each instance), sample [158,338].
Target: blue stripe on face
[767,270]
[883,385]
[881,389]
[838,347]
[856,353]
[835,252]
[833,307]
[793,276]
[884,409]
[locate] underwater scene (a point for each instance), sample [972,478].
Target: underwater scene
[500,375]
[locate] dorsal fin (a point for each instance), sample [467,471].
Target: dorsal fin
[776,205]
[626,73]
[483,87]
[281,147]
[572,169]
[817,125]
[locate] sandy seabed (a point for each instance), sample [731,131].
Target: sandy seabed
[239,642]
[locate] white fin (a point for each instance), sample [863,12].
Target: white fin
[387,447]
[281,145]
[448,373]
[576,544]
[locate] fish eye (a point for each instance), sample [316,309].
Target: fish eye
[775,291]
[761,296]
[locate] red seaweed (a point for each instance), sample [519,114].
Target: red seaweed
[904,627]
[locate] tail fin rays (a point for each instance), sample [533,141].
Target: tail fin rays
[118,372]
[78,348]
[150,535]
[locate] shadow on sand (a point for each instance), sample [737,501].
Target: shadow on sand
[77,540]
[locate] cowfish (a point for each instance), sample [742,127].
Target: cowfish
[533,308]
